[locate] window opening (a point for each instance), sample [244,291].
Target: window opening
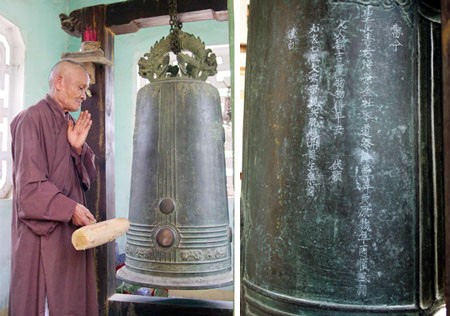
[12,55]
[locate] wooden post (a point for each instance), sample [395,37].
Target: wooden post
[101,138]
[445,23]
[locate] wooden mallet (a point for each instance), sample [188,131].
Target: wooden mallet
[97,234]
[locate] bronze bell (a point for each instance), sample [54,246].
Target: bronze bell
[342,206]
[179,234]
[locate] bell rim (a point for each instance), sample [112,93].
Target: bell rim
[181,283]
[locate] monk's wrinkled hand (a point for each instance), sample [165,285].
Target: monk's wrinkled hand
[78,132]
[82,217]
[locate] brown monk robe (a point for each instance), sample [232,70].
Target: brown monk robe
[50,177]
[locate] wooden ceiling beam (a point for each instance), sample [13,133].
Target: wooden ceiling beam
[130,16]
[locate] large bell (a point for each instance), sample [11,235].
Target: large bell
[342,171]
[179,234]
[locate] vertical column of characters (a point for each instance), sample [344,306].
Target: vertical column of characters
[314,107]
[364,174]
[340,42]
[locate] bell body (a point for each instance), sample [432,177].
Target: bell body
[341,213]
[179,234]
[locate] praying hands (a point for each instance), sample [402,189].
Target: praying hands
[77,133]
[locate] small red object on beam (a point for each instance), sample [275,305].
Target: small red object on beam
[89,35]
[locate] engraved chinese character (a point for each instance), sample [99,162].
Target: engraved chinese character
[362,290]
[364,224]
[336,171]
[315,28]
[292,37]
[338,129]
[362,277]
[363,264]
[339,70]
[363,236]
[396,32]
[363,251]
[365,211]
[396,44]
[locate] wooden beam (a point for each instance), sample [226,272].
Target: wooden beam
[130,16]
[445,24]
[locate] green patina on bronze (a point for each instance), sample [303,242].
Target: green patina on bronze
[194,60]
[340,210]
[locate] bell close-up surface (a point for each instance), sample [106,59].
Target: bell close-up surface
[342,185]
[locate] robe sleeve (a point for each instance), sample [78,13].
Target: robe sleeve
[40,204]
[85,164]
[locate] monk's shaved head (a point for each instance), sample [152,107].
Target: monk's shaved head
[68,84]
[61,68]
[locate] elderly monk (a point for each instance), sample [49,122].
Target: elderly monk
[52,167]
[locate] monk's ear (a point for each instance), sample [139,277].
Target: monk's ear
[58,83]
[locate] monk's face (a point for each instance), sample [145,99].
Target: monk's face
[71,89]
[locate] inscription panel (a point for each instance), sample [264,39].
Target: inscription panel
[366,162]
[330,180]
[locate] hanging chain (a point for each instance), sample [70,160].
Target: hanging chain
[175,27]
